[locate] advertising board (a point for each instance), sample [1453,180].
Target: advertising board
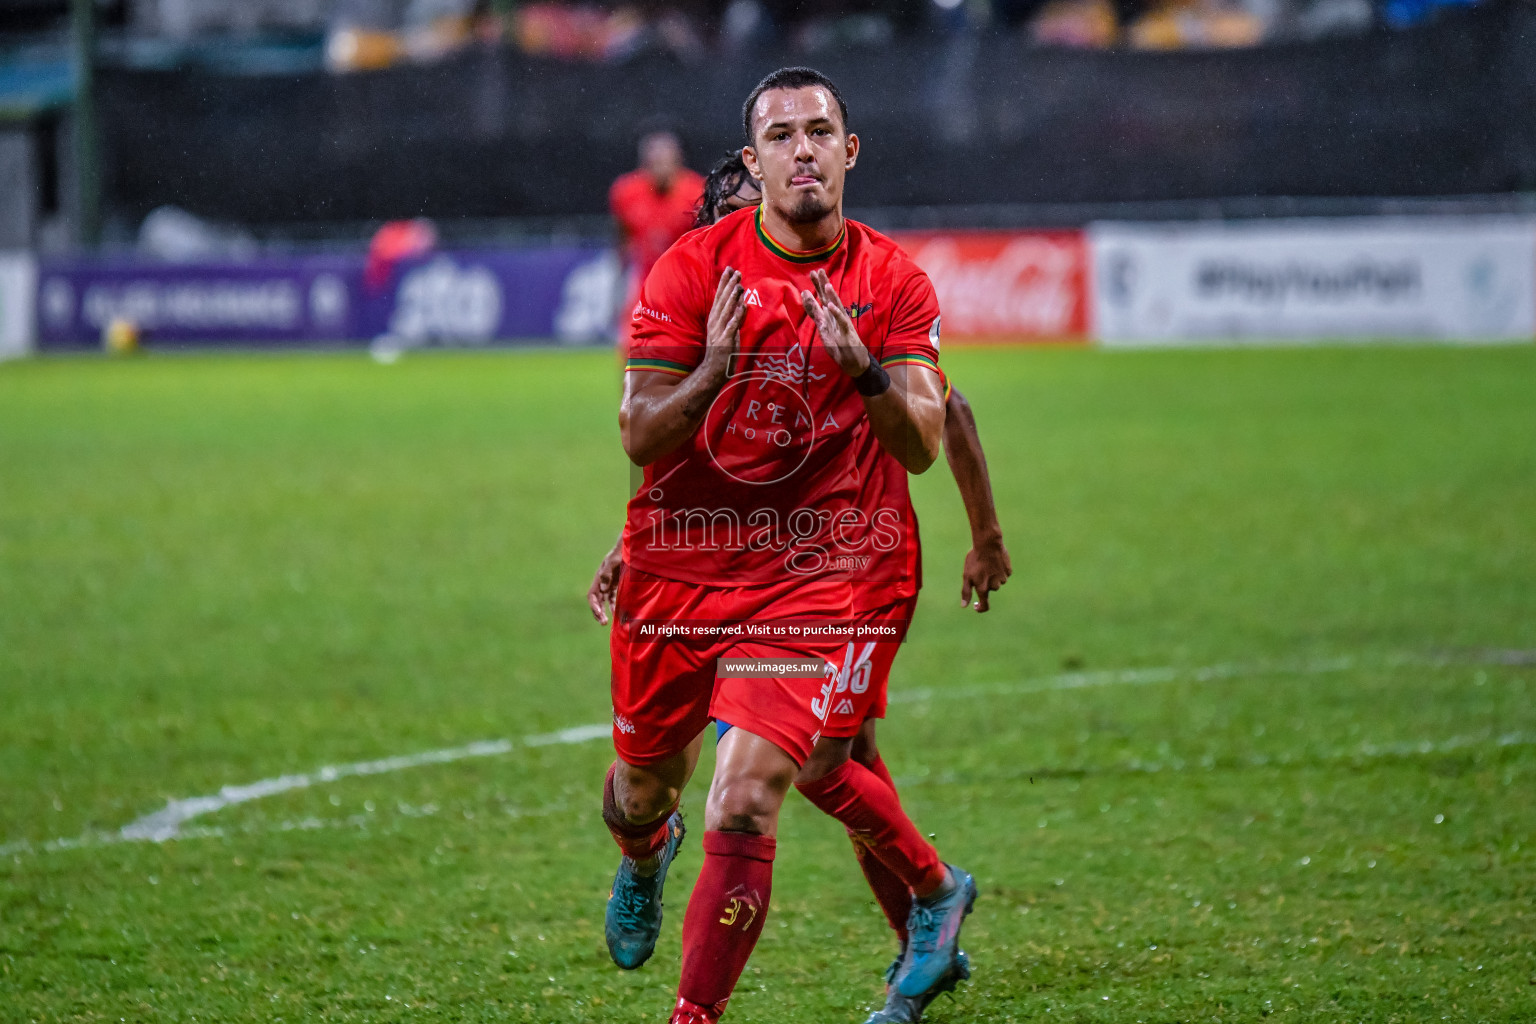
[1456,279]
[1006,285]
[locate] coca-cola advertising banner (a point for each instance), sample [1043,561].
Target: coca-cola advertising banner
[1006,285]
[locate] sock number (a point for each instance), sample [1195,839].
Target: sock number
[733,911]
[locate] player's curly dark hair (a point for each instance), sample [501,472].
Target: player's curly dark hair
[790,78]
[724,180]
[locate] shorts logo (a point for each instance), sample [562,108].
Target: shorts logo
[752,298]
[845,707]
[623,724]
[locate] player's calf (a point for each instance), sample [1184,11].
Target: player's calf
[632,918]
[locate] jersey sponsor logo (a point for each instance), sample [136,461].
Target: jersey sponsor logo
[752,298]
[623,724]
[933,333]
[855,310]
[654,314]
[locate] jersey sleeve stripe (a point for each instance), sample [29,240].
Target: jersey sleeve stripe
[912,357]
[657,366]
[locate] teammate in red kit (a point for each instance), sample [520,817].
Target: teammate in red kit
[750,394]
[653,206]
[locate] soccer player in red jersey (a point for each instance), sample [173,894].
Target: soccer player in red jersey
[747,410]
[653,206]
[889,597]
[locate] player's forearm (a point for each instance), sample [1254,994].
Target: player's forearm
[908,422]
[967,461]
[655,420]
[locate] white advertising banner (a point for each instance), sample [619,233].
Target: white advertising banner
[18,290]
[1458,279]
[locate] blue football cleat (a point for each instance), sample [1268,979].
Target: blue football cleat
[933,929]
[900,1009]
[633,919]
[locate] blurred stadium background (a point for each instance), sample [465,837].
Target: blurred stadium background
[265,141]
[301,709]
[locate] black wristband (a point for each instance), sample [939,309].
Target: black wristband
[873,381]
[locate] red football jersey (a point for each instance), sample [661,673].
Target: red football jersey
[651,220]
[775,482]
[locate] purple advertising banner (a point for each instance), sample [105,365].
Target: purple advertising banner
[563,293]
[307,300]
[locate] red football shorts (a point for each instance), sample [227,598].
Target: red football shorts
[862,685]
[665,690]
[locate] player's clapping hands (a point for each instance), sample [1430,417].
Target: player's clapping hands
[835,325]
[723,331]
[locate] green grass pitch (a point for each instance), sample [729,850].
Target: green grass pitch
[1251,733]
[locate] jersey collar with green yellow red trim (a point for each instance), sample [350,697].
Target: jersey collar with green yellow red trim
[814,256]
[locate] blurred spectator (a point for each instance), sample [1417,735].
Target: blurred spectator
[1177,24]
[1406,13]
[397,240]
[1084,24]
[370,34]
[653,207]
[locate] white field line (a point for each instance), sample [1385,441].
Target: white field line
[168,822]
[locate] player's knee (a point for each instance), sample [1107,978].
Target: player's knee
[747,805]
[641,796]
[827,756]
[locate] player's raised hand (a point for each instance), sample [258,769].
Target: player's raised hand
[723,330]
[605,585]
[835,326]
[987,568]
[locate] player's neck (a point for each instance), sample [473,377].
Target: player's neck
[803,237]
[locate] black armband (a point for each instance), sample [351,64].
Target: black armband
[873,381]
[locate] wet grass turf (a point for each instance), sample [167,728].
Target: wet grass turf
[218,570]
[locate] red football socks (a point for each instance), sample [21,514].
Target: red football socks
[890,891]
[871,812]
[882,772]
[638,842]
[725,917]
